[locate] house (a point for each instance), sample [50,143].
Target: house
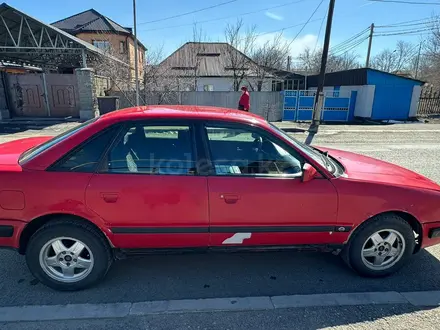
[213,66]
[107,35]
[379,95]
[286,80]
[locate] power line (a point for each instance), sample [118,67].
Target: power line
[189,12]
[352,38]
[225,17]
[403,25]
[307,22]
[404,22]
[412,32]
[319,33]
[407,30]
[408,2]
[351,48]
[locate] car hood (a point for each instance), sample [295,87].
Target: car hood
[10,151]
[359,167]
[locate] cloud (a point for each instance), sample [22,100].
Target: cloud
[296,47]
[274,16]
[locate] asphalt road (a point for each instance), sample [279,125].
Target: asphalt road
[242,275]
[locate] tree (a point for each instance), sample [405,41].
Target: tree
[160,83]
[240,43]
[429,63]
[396,60]
[310,61]
[271,55]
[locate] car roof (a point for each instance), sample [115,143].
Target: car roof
[185,112]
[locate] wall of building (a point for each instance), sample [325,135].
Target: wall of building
[226,84]
[4,111]
[393,96]
[114,40]
[266,104]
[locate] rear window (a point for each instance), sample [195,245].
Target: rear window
[35,151]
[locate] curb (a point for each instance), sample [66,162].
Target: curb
[121,310]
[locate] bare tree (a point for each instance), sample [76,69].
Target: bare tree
[241,42]
[271,55]
[310,61]
[198,47]
[429,63]
[160,83]
[396,60]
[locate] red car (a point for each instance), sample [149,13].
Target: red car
[167,178]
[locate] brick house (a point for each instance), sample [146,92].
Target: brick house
[105,34]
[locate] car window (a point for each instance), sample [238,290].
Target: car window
[165,150]
[31,153]
[87,156]
[243,152]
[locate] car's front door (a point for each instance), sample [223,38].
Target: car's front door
[256,196]
[148,189]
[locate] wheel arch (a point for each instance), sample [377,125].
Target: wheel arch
[40,221]
[408,217]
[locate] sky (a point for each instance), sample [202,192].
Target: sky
[157,31]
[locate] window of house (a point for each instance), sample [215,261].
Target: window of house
[277,86]
[243,152]
[87,156]
[208,88]
[122,47]
[101,44]
[162,150]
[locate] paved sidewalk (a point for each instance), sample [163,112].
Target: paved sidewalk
[293,127]
[126,309]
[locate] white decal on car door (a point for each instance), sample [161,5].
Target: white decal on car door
[237,238]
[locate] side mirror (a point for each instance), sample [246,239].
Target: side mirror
[309,173]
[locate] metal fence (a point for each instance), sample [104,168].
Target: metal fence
[266,104]
[429,103]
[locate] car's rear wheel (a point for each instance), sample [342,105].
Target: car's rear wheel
[381,246]
[68,255]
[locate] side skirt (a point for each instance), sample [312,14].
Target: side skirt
[124,253]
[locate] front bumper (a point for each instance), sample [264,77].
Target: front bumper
[431,234]
[10,231]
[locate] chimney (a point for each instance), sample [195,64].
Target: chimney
[289,59]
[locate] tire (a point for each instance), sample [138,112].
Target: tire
[365,252]
[51,255]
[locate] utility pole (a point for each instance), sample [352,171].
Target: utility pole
[418,60]
[367,63]
[136,55]
[319,99]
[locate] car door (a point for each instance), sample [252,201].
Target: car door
[148,189]
[256,195]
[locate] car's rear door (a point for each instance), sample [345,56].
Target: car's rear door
[148,189]
[256,196]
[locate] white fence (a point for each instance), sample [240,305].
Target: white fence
[266,104]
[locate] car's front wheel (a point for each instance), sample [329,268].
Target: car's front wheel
[381,246]
[68,255]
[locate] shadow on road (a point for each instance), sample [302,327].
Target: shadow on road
[309,138]
[193,276]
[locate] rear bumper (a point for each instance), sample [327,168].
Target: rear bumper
[10,231]
[431,234]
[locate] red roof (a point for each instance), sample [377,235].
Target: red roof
[187,112]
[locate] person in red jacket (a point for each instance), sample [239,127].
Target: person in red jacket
[245,100]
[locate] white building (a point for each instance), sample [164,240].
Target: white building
[212,66]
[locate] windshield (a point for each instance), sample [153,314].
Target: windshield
[317,156]
[31,153]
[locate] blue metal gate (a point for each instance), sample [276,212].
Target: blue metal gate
[337,106]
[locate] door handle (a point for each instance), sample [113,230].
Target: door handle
[109,197]
[230,198]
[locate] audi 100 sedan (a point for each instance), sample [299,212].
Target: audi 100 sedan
[166,178]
